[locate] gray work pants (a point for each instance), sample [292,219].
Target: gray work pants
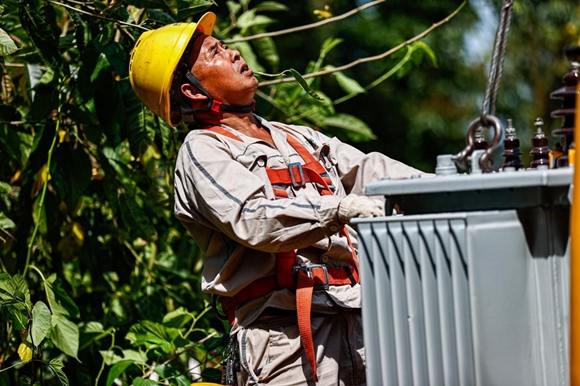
[271,352]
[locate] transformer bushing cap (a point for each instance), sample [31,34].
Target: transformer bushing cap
[445,165]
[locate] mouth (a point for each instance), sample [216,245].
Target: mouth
[246,70]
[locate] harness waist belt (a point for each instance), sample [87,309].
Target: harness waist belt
[322,275]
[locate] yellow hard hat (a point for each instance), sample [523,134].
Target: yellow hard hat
[154,59]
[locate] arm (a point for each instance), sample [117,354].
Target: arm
[213,188]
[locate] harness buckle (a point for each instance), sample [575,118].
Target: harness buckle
[300,181]
[307,269]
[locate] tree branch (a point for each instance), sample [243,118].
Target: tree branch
[370,58]
[305,27]
[97,16]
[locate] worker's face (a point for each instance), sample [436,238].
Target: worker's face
[223,72]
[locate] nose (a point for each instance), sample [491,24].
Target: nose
[234,55]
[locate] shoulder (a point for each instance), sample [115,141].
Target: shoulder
[305,132]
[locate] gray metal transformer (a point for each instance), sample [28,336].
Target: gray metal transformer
[471,285]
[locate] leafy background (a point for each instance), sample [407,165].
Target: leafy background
[98,281]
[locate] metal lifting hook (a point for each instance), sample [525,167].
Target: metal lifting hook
[486,161]
[487,117]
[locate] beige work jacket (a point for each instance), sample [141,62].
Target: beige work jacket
[225,200]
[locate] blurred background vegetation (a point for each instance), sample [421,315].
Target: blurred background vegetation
[96,274]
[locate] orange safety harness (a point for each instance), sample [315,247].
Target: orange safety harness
[309,278]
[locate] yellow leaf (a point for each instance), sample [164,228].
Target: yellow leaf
[77,231]
[16,176]
[323,14]
[25,351]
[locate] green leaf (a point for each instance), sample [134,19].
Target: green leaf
[39,20]
[5,222]
[93,328]
[59,301]
[7,45]
[21,289]
[248,54]
[57,366]
[41,319]
[267,50]
[117,369]
[8,294]
[39,153]
[354,128]
[211,374]
[110,358]
[4,381]
[135,218]
[70,164]
[143,382]
[160,17]
[328,45]
[348,85]
[149,334]
[65,336]
[423,46]
[233,7]
[192,7]
[177,318]
[250,19]
[139,137]
[270,6]
[305,85]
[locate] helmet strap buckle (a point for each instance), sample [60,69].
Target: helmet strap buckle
[215,106]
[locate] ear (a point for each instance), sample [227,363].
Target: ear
[192,93]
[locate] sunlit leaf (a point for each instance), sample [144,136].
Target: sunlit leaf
[25,351]
[5,222]
[41,319]
[248,54]
[143,382]
[305,85]
[266,50]
[177,318]
[270,6]
[353,128]
[65,335]
[21,289]
[423,46]
[59,301]
[117,370]
[56,366]
[250,19]
[7,45]
[348,85]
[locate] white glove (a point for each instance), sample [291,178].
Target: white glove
[359,206]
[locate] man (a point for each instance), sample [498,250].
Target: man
[268,203]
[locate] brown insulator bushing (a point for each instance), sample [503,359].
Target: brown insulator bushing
[540,151]
[511,146]
[568,109]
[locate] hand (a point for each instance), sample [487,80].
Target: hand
[359,206]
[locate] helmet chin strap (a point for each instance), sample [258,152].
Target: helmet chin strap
[212,104]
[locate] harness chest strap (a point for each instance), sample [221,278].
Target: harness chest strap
[308,278]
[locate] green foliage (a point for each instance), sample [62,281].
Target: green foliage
[98,280]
